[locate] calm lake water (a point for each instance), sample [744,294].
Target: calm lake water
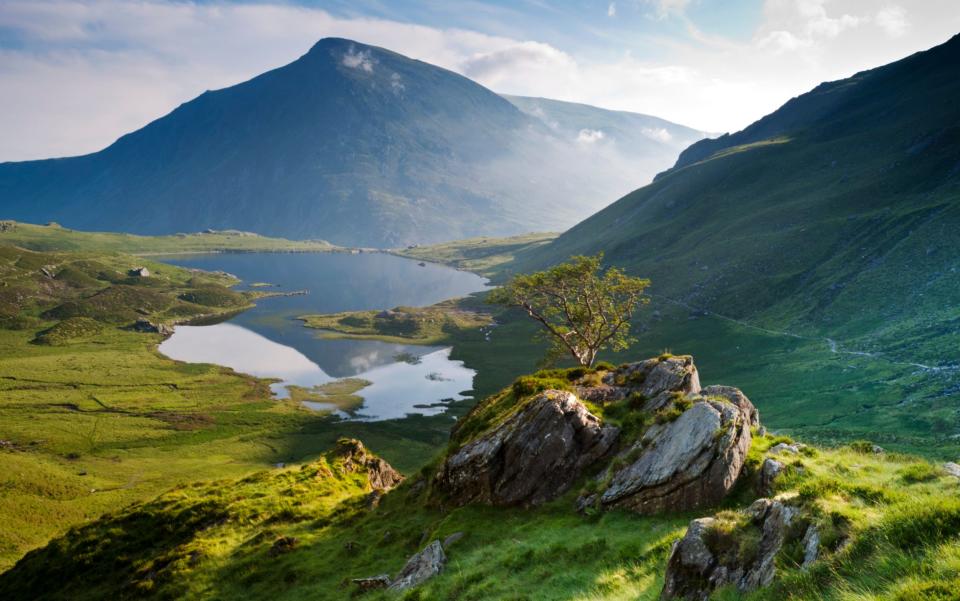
[268,340]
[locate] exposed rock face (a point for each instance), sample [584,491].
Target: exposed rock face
[735,396]
[421,567]
[372,583]
[696,567]
[952,469]
[147,326]
[381,474]
[531,458]
[691,462]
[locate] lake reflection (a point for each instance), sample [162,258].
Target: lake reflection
[268,340]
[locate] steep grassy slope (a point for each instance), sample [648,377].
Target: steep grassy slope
[350,143]
[829,227]
[303,532]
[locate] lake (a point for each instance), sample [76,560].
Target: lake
[268,341]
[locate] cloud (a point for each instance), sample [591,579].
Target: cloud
[666,8]
[657,133]
[358,60]
[893,21]
[589,136]
[612,9]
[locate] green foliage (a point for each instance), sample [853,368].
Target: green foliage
[214,296]
[69,330]
[919,472]
[582,308]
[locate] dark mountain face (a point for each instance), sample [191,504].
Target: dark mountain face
[350,143]
[837,216]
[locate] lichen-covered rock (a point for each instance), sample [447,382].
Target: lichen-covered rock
[710,554]
[684,464]
[354,455]
[657,379]
[735,396]
[421,567]
[531,458]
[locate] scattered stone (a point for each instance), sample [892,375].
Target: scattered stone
[952,469]
[139,272]
[769,472]
[372,583]
[784,448]
[695,570]
[421,567]
[284,544]
[688,463]
[531,458]
[452,539]
[877,450]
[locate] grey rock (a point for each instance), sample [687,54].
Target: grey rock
[769,472]
[784,448]
[147,326]
[657,379]
[735,396]
[691,462]
[421,567]
[811,545]
[694,572]
[952,469]
[139,272]
[531,458]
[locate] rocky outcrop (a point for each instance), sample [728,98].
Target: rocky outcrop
[952,469]
[421,567]
[679,465]
[354,456]
[710,554]
[147,326]
[531,458]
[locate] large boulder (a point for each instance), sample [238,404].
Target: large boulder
[690,462]
[532,457]
[735,396]
[713,552]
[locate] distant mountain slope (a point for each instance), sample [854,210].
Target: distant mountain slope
[350,143]
[644,139]
[837,216]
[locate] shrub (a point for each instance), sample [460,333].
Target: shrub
[919,523]
[918,472]
[527,385]
[861,446]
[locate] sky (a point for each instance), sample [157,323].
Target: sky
[77,74]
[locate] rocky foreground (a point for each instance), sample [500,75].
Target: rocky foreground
[617,482]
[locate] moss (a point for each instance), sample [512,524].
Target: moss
[214,296]
[69,330]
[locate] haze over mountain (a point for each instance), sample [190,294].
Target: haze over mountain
[837,216]
[350,143]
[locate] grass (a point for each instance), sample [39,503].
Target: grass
[52,237]
[341,394]
[303,532]
[435,324]
[485,256]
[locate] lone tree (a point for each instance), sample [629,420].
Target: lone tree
[582,307]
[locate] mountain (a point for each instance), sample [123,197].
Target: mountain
[350,143]
[825,236]
[643,140]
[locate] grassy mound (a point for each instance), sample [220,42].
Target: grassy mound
[69,330]
[416,325]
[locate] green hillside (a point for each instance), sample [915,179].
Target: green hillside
[890,525]
[814,255]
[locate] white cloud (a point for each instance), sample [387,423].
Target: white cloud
[589,136]
[657,133]
[666,8]
[893,21]
[358,60]
[612,9]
